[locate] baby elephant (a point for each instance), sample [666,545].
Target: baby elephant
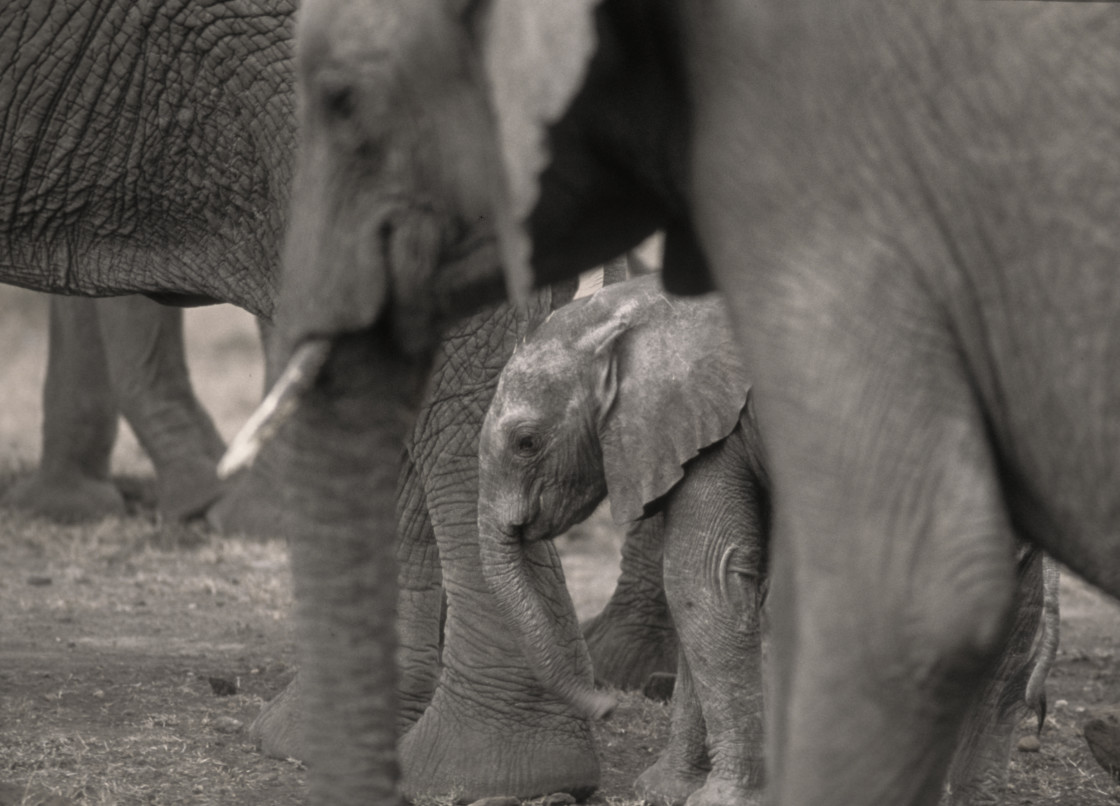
[640,396]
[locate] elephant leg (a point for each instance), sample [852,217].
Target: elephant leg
[714,547]
[79,423]
[148,365]
[248,504]
[633,636]
[683,766]
[978,775]
[892,573]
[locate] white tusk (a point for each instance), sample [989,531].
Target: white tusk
[278,405]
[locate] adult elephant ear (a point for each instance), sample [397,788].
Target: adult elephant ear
[678,386]
[535,56]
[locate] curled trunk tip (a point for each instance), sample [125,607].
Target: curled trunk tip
[278,405]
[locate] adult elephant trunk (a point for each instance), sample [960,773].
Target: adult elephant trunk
[538,609]
[338,455]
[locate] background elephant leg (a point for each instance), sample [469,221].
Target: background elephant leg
[148,366]
[683,765]
[79,423]
[714,533]
[978,774]
[248,504]
[633,636]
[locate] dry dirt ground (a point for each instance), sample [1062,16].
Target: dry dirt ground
[133,656]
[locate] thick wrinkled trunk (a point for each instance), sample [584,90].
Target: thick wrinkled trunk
[340,461]
[528,602]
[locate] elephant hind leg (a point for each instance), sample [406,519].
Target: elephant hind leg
[147,363]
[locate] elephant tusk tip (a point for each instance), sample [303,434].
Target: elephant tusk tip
[278,405]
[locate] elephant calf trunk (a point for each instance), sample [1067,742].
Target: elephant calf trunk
[552,642]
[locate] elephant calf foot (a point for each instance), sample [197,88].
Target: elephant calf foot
[669,784]
[65,498]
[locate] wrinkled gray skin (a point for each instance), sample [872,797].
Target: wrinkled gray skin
[911,208]
[122,355]
[191,212]
[636,394]
[115,181]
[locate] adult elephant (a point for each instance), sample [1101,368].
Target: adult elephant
[913,201]
[114,182]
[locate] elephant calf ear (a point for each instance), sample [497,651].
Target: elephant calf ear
[681,388]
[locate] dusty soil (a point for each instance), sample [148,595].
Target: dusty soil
[133,656]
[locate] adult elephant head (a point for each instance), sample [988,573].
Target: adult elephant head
[914,202]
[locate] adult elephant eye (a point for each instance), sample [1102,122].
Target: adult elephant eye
[527,445]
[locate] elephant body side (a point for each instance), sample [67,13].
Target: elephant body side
[147,148]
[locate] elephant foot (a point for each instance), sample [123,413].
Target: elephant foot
[186,489]
[669,784]
[724,792]
[249,507]
[537,749]
[278,729]
[65,498]
[624,654]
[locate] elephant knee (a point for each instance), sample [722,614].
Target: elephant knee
[966,629]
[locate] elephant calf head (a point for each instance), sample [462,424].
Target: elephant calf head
[613,395]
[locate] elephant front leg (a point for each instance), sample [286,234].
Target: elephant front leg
[79,423]
[714,550]
[892,573]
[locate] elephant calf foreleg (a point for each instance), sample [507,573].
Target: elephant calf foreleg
[714,526]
